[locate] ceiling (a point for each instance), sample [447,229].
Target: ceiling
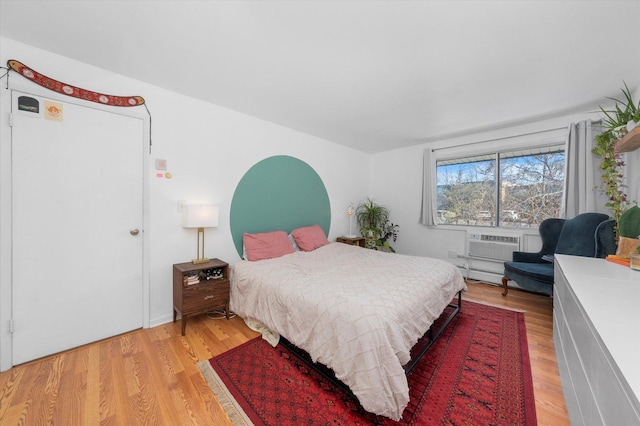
[373,75]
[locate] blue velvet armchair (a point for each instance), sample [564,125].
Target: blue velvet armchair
[588,234]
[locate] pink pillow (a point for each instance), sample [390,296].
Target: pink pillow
[267,245]
[309,238]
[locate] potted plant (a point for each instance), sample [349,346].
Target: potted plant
[389,231]
[629,224]
[373,220]
[625,114]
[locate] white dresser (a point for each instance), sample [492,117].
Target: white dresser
[596,332]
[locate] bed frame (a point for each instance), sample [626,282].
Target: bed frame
[431,335]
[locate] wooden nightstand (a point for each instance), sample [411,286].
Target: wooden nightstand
[355,241]
[206,295]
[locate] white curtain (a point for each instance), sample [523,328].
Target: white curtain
[429,201]
[581,167]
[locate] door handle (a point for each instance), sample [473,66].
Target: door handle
[134,231]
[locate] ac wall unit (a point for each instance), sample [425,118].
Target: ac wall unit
[492,246]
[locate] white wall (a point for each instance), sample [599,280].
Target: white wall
[397,182]
[208,150]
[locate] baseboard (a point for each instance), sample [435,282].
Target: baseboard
[486,276]
[161,320]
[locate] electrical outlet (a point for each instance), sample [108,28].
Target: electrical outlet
[453,254]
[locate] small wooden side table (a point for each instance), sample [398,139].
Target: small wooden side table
[200,288]
[354,241]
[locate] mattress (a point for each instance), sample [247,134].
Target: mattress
[358,311]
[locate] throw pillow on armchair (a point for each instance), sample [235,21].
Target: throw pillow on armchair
[627,246]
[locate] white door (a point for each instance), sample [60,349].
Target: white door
[77,199]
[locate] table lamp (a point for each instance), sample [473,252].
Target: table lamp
[200,216]
[350,213]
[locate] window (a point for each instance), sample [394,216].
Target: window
[516,189]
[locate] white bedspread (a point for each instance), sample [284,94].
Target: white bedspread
[355,310]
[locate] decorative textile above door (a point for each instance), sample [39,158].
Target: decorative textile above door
[69,90]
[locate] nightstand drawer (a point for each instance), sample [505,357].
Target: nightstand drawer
[203,295]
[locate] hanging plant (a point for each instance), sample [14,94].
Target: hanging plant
[612,174]
[612,164]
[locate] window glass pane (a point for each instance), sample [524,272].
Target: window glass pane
[466,192]
[530,188]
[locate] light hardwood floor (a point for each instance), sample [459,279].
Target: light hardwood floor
[150,377]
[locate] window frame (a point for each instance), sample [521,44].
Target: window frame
[554,146]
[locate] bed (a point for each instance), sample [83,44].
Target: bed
[355,310]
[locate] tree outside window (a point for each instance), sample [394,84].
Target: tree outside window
[523,190]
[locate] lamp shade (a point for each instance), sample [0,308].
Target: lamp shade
[199,216]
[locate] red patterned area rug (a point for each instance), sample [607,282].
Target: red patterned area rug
[476,373]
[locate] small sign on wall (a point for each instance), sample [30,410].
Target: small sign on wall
[29,104]
[53,111]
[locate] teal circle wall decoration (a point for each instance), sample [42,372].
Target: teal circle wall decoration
[278,193]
